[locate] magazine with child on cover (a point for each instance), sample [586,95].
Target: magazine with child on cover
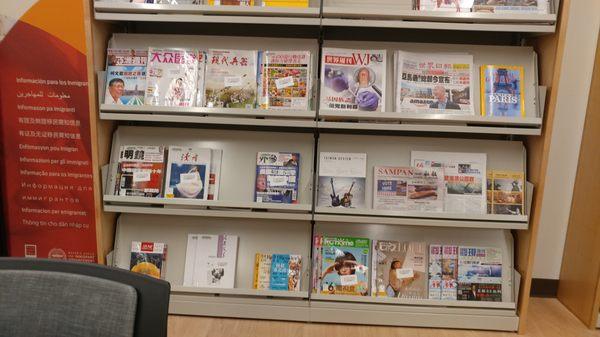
[345,268]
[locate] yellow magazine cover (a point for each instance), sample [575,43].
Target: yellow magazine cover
[502,93]
[287,3]
[508,194]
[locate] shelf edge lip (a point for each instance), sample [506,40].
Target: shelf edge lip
[302,208]
[195,111]
[232,214]
[107,7]
[232,121]
[226,19]
[445,118]
[419,222]
[413,127]
[423,215]
[241,292]
[438,16]
[454,26]
[410,302]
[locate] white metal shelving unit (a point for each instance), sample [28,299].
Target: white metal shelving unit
[272,228]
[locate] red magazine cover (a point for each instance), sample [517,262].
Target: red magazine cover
[141,171]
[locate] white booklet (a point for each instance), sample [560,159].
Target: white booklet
[353,80]
[465,177]
[408,189]
[188,171]
[434,83]
[342,178]
[215,263]
[171,77]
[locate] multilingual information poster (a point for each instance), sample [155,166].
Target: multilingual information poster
[45,131]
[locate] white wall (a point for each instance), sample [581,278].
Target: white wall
[573,90]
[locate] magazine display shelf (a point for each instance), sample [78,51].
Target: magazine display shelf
[279,230]
[255,235]
[392,311]
[236,191]
[448,123]
[111,11]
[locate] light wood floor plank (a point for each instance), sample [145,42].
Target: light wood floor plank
[548,318]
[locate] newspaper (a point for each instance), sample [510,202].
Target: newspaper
[353,80]
[434,83]
[465,177]
[408,189]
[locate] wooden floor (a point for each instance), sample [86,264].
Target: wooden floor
[548,318]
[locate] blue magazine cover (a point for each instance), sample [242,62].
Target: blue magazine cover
[277,175]
[345,268]
[502,91]
[280,265]
[125,76]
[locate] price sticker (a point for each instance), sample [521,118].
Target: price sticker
[233,81]
[284,82]
[403,273]
[141,176]
[349,280]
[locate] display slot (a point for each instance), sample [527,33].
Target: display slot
[493,221]
[239,292]
[414,316]
[413,302]
[391,13]
[225,19]
[127,200]
[161,110]
[450,26]
[111,7]
[425,128]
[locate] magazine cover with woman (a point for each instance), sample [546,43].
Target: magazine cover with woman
[171,77]
[353,79]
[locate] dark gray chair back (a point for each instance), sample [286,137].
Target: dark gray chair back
[51,298]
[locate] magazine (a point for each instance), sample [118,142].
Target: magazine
[445,5]
[215,174]
[490,190]
[187,173]
[125,76]
[479,274]
[262,271]
[277,177]
[201,74]
[399,269]
[502,91]
[465,176]
[171,77]
[511,6]
[148,258]
[231,2]
[140,171]
[230,79]
[285,79]
[508,193]
[317,263]
[449,272]
[435,272]
[191,255]
[216,261]
[285,272]
[285,3]
[408,189]
[345,269]
[434,83]
[353,80]
[342,178]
